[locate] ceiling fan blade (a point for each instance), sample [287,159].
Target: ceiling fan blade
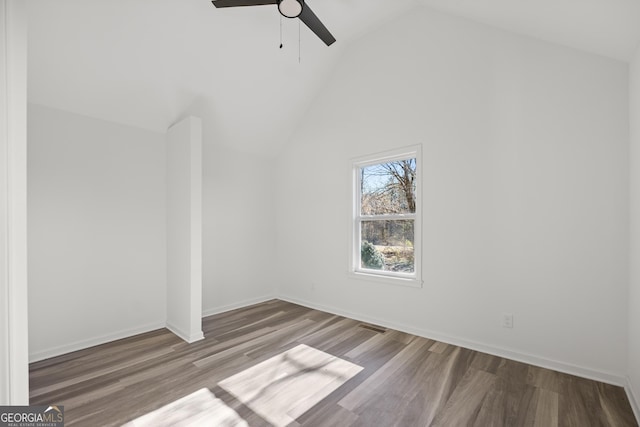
[234,3]
[311,20]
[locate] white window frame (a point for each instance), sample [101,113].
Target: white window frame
[355,270]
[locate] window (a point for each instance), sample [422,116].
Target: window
[386,217]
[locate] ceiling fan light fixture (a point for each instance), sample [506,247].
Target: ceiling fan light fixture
[290,8]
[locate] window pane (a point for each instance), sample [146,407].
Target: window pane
[387,245]
[388,188]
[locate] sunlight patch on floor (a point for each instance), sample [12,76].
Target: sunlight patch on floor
[285,386]
[195,410]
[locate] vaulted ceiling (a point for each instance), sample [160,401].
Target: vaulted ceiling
[147,62]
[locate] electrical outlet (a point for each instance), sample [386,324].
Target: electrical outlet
[507,320]
[313,286]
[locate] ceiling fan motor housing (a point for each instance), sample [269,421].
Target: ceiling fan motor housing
[290,8]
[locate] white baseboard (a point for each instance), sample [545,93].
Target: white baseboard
[185,336]
[103,339]
[605,377]
[82,344]
[633,399]
[222,309]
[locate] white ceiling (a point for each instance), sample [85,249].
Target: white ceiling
[147,62]
[606,27]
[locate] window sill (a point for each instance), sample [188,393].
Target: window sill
[389,280]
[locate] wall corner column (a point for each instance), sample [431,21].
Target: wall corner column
[14,331]
[184,229]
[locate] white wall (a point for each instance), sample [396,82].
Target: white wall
[238,227]
[96,231]
[525,184]
[14,379]
[238,221]
[71,156]
[184,229]
[633,369]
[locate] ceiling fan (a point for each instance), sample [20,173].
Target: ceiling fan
[288,9]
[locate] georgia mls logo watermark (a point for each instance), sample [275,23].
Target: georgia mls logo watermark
[31,416]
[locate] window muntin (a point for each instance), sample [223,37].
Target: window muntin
[386,223]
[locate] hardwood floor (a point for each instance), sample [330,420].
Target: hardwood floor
[405,380]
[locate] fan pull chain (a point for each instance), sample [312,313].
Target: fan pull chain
[280,31]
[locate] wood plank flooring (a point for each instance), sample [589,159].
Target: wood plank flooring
[406,380]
